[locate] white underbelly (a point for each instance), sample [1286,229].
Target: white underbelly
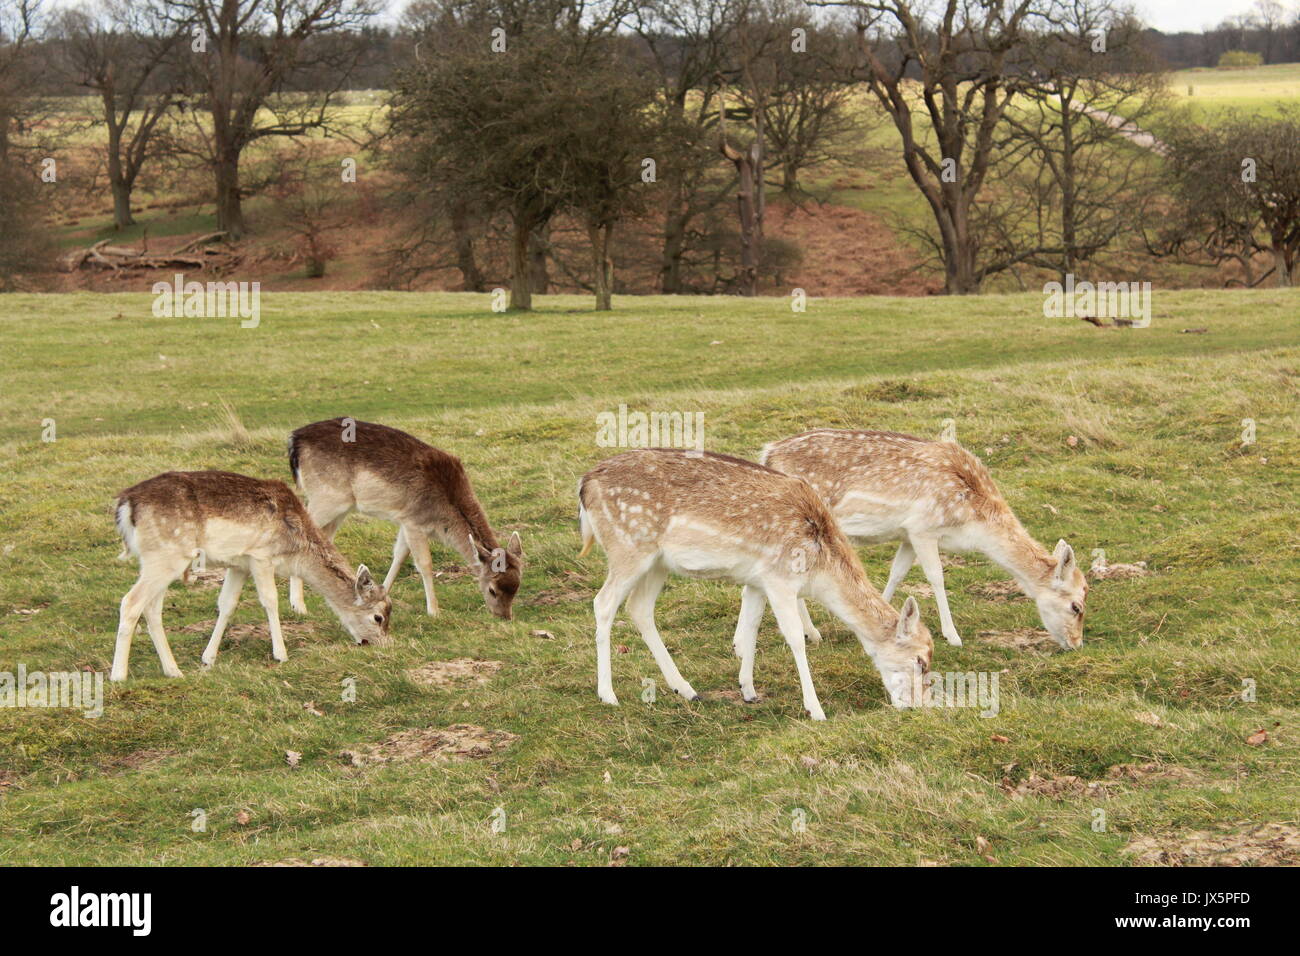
[869,528]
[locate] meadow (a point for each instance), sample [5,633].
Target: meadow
[1167,737]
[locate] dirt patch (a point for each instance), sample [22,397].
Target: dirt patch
[1149,773]
[207,579]
[1054,788]
[560,596]
[137,760]
[847,251]
[8,779]
[919,591]
[315,861]
[1118,572]
[460,672]
[1265,844]
[1069,785]
[432,744]
[235,633]
[999,591]
[1020,639]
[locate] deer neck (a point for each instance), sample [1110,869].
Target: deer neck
[1011,547]
[327,573]
[465,518]
[851,598]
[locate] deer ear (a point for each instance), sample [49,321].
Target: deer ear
[365,583]
[1064,557]
[515,546]
[909,620]
[480,553]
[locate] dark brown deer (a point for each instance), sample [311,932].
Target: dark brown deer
[343,465]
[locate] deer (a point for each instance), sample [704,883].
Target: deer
[657,512]
[250,527]
[883,486]
[344,465]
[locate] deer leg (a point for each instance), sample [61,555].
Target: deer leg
[611,595]
[264,579]
[810,631]
[328,515]
[785,607]
[150,586]
[226,602]
[400,553]
[927,555]
[418,542]
[898,570]
[752,605]
[641,609]
[153,618]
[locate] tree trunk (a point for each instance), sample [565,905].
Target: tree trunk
[521,294]
[745,203]
[230,211]
[670,262]
[539,275]
[1282,266]
[117,180]
[602,267]
[471,277]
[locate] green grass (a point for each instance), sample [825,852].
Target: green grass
[1157,474]
[1262,88]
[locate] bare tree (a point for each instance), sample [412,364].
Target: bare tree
[24,243]
[1236,182]
[689,43]
[1078,158]
[947,64]
[119,50]
[245,56]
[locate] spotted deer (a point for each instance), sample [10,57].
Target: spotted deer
[884,486]
[343,465]
[250,527]
[657,512]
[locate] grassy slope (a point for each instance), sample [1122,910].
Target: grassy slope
[1158,476]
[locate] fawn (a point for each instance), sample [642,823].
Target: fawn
[345,465]
[931,494]
[249,526]
[703,515]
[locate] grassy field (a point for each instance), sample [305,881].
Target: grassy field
[1151,708]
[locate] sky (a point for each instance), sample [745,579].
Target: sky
[1173,16]
[1168,16]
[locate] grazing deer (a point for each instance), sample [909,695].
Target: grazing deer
[344,465]
[931,494]
[701,515]
[249,526]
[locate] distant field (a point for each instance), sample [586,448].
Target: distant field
[1151,709]
[1257,88]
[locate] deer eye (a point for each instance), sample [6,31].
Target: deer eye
[492,591]
[1078,611]
[379,619]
